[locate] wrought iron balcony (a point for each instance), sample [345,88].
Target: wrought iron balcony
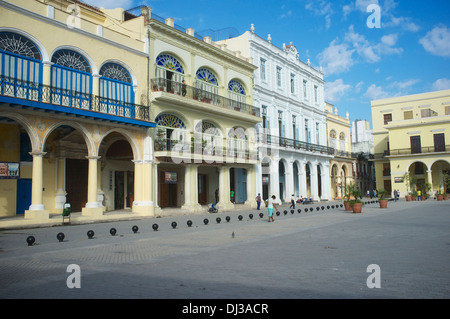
[412,151]
[180,89]
[222,149]
[295,144]
[16,91]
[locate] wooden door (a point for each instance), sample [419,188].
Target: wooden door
[202,189]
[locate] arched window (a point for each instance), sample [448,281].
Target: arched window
[209,136]
[237,142]
[207,83]
[169,120]
[71,79]
[342,142]
[169,73]
[20,66]
[207,76]
[116,90]
[170,131]
[236,94]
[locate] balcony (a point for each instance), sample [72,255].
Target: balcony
[190,92]
[202,147]
[295,144]
[39,96]
[413,151]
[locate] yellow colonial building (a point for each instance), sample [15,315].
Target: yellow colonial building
[342,166]
[115,110]
[410,134]
[75,123]
[201,96]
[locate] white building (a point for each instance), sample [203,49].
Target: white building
[362,137]
[293,143]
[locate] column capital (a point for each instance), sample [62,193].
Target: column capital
[37,154]
[93,157]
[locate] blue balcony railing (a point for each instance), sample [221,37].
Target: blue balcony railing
[64,100]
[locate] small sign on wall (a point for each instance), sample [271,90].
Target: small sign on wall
[9,171]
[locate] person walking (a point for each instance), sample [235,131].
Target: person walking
[258,201]
[292,202]
[419,195]
[270,207]
[395,195]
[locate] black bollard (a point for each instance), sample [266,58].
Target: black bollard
[135,229]
[250,216]
[113,231]
[155,227]
[30,240]
[174,225]
[90,234]
[206,221]
[60,237]
[227,219]
[218,220]
[189,223]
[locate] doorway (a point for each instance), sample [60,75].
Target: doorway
[202,189]
[23,200]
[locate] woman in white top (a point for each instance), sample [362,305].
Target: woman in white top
[270,207]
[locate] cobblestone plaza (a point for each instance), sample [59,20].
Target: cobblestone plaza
[317,254]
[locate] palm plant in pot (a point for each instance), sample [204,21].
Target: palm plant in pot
[348,192]
[382,200]
[356,203]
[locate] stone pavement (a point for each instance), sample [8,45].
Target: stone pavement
[319,254]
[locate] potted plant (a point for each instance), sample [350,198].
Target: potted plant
[348,192]
[382,200]
[356,203]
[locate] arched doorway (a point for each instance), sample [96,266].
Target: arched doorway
[308,180]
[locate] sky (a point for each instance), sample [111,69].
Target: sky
[368,49]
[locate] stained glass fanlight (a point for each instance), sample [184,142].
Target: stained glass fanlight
[170,63]
[116,72]
[237,133]
[169,120]
[18,44]
[207,76]
[72,60]
[207,127]
[236,87]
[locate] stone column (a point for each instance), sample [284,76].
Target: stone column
[224,189]
[191,189]
[92,208]
[37,209]
[251,187]
[144,192]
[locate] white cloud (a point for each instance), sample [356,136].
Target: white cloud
[335,90]
[336,58]
[402,87]
[321,8]
[441,84]
[376,92]
[437,41]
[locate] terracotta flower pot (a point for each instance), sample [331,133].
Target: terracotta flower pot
[446,197]
[347,206]
[383,203]
[440,197]
[357,207]
[408,198]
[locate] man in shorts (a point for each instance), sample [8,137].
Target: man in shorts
[270,207]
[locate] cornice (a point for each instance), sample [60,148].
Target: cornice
[197,46]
